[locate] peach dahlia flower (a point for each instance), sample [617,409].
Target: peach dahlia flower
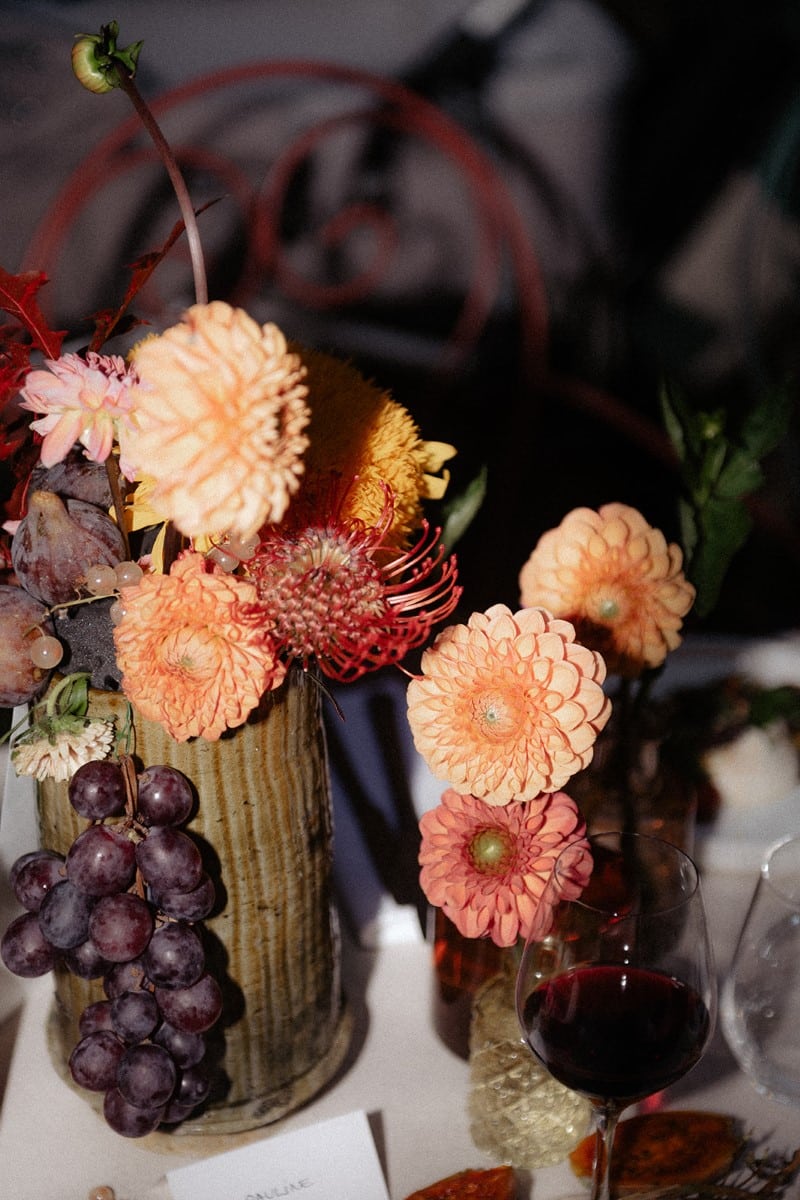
[219,422]
[195,649]
[617,580]
[508,705]
[490,869]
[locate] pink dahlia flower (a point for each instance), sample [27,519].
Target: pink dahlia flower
[490,869]
[83,400]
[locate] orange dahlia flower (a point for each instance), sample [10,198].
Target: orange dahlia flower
[490,869]
[617,580]
[508,705]
[194,648]
[219,422]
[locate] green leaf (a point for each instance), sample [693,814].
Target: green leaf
[460,512]
[724,527]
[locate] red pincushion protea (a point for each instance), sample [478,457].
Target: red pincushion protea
[334,597]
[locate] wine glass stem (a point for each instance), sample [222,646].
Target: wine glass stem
[606,1117]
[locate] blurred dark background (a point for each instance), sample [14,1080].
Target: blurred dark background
[635,165]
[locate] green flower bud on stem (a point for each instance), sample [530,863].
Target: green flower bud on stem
[97,62]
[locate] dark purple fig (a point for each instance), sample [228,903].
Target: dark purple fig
[76,478]
[56,541]
[20,680]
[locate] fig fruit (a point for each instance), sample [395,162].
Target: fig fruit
[76,477]
[56,541]
[20,680]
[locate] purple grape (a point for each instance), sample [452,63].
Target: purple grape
[85,961]
[95,1017]
[169,860]
[25,950]
[124,977]
[64,915]
[121,926]
[165,797]
[192,1009]
[174,1113]
[188,906]
[134,1016]
[97,790]
[22,861]
[101,861]
[32,879]
[128,1120]
[147,1076]
[193,1086]
[187,1049]
[175,956]
[95,1060]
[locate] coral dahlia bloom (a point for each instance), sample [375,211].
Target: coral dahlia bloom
[220,419]
[195,651]
[364,439]
[335,599]
[491,869]
[617,580]
[508,705]
[83,400]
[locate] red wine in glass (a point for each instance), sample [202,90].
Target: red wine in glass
[614,1031]
[618,999]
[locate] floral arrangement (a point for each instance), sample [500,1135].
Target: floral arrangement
[265,507]
[509,707]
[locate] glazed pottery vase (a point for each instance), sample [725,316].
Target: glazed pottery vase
[263,822]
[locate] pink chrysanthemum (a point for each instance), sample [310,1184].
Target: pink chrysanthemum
[617,580]
[219,425]
[335,598]
[195,649]
[83,400]
[490,869]
[508,705]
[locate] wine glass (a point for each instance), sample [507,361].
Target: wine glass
[618,998]
[760,1005]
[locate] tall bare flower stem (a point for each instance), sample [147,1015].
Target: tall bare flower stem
[126,82]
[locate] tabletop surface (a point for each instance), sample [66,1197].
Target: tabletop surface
[413,1089]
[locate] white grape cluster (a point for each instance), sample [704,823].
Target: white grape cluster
[126,905]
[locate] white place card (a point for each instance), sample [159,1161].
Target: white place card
[333,1160]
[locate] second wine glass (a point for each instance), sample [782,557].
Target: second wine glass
[618,998]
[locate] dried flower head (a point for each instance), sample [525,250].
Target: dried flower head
[83,400]
[57,752]
[508,705]
[364,441]
[489,868]
[337,599]
[219,423]
[195,649]
[617,580]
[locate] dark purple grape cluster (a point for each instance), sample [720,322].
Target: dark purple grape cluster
[125,905]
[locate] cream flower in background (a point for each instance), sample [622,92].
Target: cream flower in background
[195,649]
[508,705]
[83,400]
[220,419]
[616,579]
[490,869]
